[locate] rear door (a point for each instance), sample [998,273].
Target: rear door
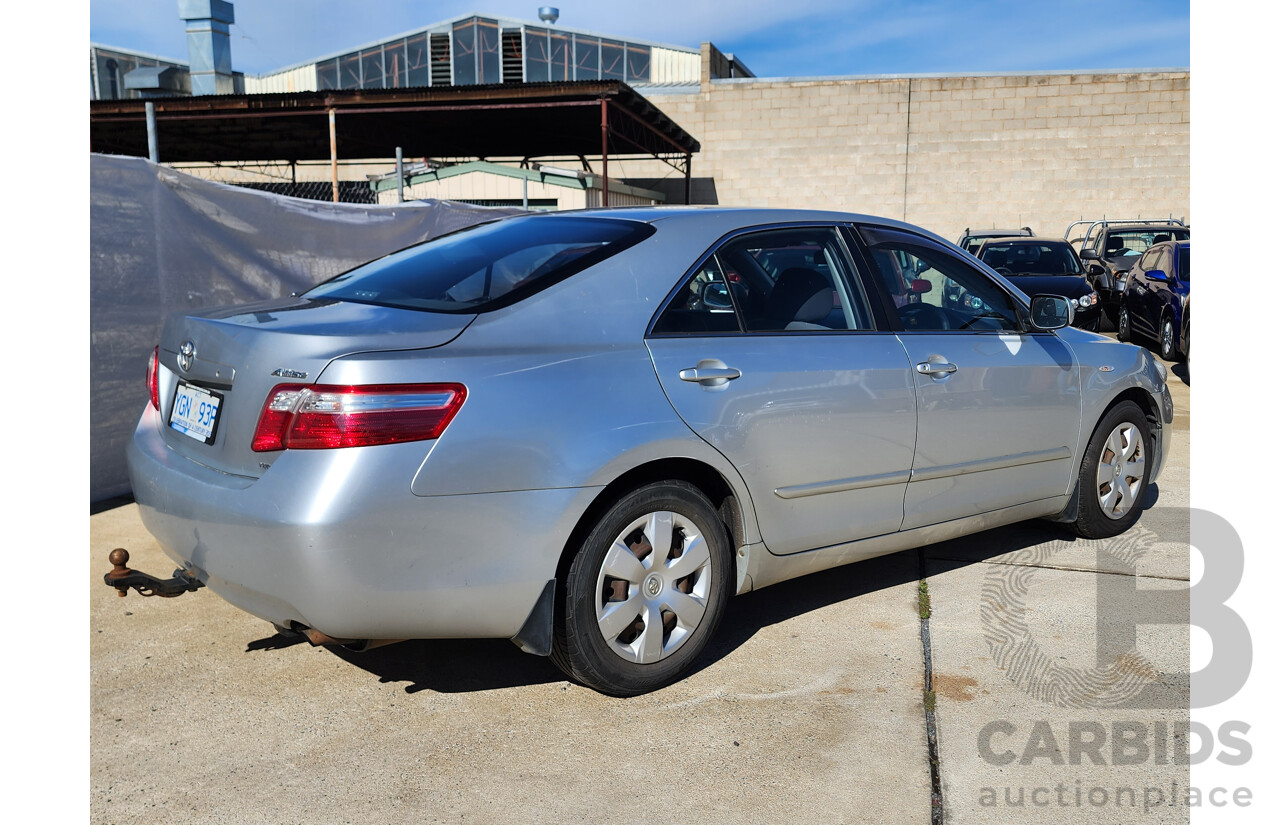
[998,408]
[772,353]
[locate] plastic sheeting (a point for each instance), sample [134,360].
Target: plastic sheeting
[162,242]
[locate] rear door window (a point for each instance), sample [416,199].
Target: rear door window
[792,279]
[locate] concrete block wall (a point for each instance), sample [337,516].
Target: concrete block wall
[948,152]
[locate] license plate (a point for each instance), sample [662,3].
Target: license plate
[195,412]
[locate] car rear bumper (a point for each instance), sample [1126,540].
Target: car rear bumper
[336,540]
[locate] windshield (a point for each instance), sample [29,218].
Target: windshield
[1037,258]
[1184,264]
[1132,243]
[486,266]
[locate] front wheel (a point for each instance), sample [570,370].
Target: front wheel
[1168,349]
[645,592]
[1123,332]
[1114,473]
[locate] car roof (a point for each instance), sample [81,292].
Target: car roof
[728,217]
[1023,239]
[995,233]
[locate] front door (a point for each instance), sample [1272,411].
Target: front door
[998,408]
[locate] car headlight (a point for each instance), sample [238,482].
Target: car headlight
[1085,301]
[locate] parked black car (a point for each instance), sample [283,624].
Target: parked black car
[1156,303]
[1109,248]
[1044,266]
[973,238]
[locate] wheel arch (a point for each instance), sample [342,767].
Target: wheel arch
[1150,409]
[707,479]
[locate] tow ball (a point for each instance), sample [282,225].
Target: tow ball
[122,579]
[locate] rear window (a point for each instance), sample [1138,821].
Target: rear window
[487,266]
[1131,243]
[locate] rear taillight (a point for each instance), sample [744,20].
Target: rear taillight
[323,417]
[153,378]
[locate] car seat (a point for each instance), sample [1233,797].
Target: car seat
[799,300]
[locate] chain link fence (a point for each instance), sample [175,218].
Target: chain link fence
[312,180]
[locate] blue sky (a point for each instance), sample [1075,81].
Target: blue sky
[787,38]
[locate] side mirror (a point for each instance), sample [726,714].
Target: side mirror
[715,295]
[1089,255]
[1157,275]
[920,286]
[1049,312]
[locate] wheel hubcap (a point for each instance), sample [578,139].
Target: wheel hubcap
[1121,468]
[1168,337]
[653,586]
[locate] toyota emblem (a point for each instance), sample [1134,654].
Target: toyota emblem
[186,354]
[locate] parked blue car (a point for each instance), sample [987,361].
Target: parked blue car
[1156,303]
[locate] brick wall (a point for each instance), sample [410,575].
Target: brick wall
[949,152]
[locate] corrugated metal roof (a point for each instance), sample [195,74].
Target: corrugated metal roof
[515,120]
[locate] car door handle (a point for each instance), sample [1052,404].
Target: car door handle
[711,374]
[935,368]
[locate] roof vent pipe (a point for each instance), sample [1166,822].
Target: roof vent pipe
[549,14]
[209,45]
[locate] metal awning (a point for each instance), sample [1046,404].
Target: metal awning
[586,118]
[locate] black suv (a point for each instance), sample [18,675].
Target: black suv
[1109,248]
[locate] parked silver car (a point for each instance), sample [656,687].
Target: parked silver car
[586,431]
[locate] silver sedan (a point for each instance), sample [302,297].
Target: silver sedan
[586,431]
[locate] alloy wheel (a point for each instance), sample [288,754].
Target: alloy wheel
[1166,340]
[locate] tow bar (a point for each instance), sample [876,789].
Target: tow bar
[122,579]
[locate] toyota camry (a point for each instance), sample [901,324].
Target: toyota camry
[587,431]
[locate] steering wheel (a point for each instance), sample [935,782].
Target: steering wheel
[1004,270]
[923,316]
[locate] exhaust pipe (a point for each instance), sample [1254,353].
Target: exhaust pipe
[318,639]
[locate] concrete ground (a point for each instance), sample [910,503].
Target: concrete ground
[810,705]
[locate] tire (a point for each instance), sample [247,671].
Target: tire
[1111,493]
[1123,330]
[1168,347]
[674,603]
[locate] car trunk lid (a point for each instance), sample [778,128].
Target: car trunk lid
[238,354]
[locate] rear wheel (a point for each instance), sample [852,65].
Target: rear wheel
[1114,473]
[645,592]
